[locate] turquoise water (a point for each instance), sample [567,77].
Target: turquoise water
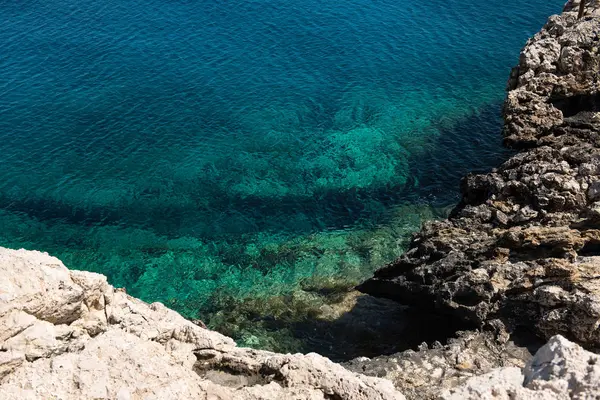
[208,154]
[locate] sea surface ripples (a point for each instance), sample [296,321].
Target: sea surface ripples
[214,154]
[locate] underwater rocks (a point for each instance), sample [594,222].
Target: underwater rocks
[69,335]
[522,249]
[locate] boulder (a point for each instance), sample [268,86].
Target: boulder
[559,370]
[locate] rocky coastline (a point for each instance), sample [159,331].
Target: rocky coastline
[522,250]
[516,267]
[518,261]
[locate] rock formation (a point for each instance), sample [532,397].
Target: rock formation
[522,250]
[69,335]
[425,373]
[560,370]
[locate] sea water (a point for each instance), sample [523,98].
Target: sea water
[241,161]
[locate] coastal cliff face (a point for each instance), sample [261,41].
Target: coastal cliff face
[522,250]
[520,253]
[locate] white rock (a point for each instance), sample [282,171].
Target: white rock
[559,370]
[565,368]
[497,384]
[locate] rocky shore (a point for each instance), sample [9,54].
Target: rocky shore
[516,265]
[519,258]
[69,335]
[522,250]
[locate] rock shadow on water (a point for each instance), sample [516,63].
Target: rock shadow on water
[375,327]
[351,325]
[470,145]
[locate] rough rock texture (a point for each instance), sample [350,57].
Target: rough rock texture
[423,374]
[522,250]
[69,335]
[560,370]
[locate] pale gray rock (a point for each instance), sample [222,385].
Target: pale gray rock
[498,384]
[423,374]
[70,335]
[560,370]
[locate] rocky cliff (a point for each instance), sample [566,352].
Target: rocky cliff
[69,335]
[519,258]
[522,250]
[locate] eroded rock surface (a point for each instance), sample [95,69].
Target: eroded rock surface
[522,250]
[424,374]
[560,370]
[69,335]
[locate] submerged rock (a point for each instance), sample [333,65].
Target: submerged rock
[69,335]
[522,249]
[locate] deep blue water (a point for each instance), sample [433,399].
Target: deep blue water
[193,149]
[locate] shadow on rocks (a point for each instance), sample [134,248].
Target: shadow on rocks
[342,326]
[372,327]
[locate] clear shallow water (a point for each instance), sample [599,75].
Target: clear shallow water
[200,153]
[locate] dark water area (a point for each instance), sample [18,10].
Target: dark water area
[245,162]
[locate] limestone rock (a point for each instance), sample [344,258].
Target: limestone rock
[424,374]
[69,335]
[559,370]
[498,384]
